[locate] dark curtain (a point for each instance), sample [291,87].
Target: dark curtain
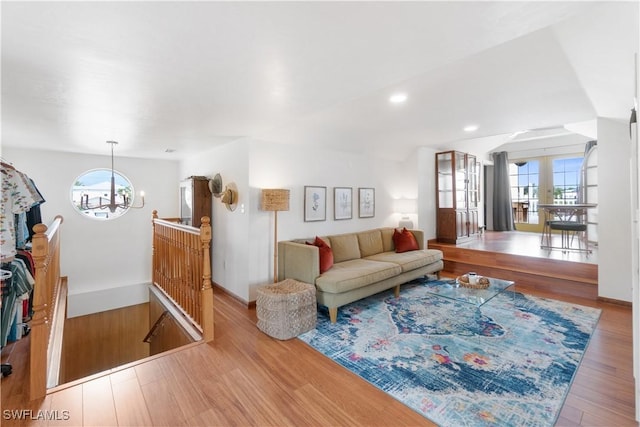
[502,207]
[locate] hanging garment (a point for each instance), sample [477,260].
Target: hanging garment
[20,283]
[33,215]
[22,231]
[17,197]
[27,257]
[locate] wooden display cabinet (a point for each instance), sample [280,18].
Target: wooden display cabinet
[195,200]
[457,196]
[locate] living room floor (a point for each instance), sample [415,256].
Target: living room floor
[245,377]
[528,244]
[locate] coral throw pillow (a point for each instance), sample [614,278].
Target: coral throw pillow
[404,241]
[326,254]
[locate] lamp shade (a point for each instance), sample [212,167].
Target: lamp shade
[405,206]
[275,199]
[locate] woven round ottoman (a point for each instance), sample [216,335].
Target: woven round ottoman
[286,309]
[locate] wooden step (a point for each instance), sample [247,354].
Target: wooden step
[568,277]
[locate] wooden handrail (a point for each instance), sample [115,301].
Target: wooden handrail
[155,326]
[182,269]
[46,257]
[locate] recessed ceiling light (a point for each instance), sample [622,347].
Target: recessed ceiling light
[398,98]
[471,128]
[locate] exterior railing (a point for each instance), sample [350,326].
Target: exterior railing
[182,269]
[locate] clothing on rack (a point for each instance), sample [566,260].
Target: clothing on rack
[33,215]
[27,257]
[22,231]
[19,212]
[19,195]
[20,283]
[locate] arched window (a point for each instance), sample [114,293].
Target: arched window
[91,194]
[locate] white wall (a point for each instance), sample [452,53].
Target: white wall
[614,210]
[427,188]
[112,258]
[292,167]
[243,242]
[108,263]
[230,230]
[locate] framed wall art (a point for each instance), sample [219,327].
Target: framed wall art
[315,203]
[342,203]
[366,202]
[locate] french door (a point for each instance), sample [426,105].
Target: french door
[540,180]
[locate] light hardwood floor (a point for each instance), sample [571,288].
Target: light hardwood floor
[528,244]
[247,378]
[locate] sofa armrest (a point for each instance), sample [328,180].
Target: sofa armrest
[419,235]
[298,261]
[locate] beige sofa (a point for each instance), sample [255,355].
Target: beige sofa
[365,263]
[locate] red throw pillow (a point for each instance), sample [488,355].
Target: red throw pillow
[404,241]
[326,254]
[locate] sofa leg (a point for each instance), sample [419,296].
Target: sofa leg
[396,291]
[333,314]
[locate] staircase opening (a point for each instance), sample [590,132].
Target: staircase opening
[102,341]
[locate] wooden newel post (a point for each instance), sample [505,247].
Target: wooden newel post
[154,267]
[40,320]
[206,290]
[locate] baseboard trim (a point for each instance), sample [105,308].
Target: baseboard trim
[615,301]
[236,298]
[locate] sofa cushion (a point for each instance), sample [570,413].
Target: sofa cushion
[353,274]
[405,241]
[345,247]
[310,239]
[387,239]
[370,243]
[409,260]
[325,254]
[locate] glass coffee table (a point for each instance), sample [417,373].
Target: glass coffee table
[450,288]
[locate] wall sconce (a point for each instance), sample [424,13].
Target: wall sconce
[230,196]
[405,207]
[275,200]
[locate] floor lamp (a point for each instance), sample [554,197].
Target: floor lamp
[275,200]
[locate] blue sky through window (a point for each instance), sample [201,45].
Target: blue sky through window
[529,174]
[566,172]
[102,175]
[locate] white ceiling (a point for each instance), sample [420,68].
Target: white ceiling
[191,75]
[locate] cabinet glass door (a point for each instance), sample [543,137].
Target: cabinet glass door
[473,182]
[445,181]
[461,181]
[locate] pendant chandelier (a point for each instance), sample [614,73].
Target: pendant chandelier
[112,204]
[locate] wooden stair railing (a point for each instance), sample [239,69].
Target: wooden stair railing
[182,269]
[48,295]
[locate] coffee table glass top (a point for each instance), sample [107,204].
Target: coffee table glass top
[449,288]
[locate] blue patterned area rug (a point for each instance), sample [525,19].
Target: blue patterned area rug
[509,362]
